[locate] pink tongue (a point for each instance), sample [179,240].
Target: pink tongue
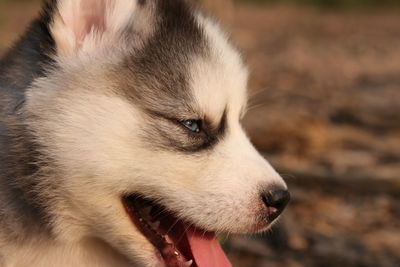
[206,249]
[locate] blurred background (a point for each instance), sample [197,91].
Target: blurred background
[325,111]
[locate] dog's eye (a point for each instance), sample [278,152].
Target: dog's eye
[192,125]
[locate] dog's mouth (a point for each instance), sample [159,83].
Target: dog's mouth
[179,243]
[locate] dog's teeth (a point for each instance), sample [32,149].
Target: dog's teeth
[187,263]
[155,225]
[169,240]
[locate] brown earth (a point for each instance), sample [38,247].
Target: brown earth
[325,111]
[326,89]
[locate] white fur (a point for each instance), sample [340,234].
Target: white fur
[86,253]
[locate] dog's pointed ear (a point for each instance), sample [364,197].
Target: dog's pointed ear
[86,24]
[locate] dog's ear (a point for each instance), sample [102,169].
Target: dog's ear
[86,24]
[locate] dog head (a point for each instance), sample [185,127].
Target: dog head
[138,123]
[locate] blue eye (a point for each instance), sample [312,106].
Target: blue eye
[192,125]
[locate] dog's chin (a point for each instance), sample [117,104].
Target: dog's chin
[176,242]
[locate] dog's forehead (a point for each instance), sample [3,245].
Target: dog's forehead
[187,67]
[156,75]
[218,81]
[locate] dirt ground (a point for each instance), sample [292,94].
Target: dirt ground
[326,91]
[324,110]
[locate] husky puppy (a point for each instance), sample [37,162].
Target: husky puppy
[121,142]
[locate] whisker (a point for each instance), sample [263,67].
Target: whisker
[288,176]
[185,231]
[172,226]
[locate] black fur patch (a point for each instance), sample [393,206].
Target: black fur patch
[26,61]
[158,79]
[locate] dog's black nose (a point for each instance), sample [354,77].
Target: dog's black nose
[275,200]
